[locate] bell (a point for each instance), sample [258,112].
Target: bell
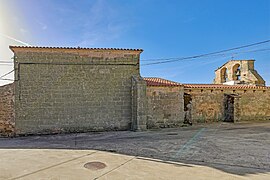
[238,72]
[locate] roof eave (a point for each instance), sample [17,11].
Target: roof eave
[72,48]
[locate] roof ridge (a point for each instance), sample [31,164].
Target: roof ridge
[220,86]
[155,81]
[79,48]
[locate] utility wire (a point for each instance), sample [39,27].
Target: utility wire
[216,52]
[169,60]
[257,50]
[224,54]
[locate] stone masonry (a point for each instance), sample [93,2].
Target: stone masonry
[238,72]
[165,103]
[139,104]
[60,90]
[7,110]
[250,103]
[73,89]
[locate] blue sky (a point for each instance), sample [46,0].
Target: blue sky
[163,28]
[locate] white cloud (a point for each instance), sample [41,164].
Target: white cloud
[23,31]
[42,25]
[103,24]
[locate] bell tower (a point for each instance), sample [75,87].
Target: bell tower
[238,72]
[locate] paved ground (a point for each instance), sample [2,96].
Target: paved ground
[241,150]
[35,164]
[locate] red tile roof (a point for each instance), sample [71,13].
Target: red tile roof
[153,81]
[36,47]
[221,86]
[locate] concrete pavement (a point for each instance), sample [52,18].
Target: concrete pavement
[69,164]
[240,149]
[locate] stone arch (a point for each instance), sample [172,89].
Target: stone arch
[236,74]
[224,74]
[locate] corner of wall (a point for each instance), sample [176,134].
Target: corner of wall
[139,105]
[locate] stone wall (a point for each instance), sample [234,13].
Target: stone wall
[165,106]
[139,104]
[254,105]
[79,90]
[246,74]
[7,110]
[73,90]
[207,105]
[249,104]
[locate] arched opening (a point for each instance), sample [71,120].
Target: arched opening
[224,75]
[236,72]
[231,107]
[187,108]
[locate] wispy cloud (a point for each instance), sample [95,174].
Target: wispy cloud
[42,25]
[103,24]
[23,31]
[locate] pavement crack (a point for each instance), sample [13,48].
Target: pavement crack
[24,175]
[115,168]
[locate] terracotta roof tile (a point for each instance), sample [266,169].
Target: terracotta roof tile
[153,81]
[37,47]
[221,86]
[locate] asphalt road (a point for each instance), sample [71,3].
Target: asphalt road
[241,149]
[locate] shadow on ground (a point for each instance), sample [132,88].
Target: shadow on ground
[239,149]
